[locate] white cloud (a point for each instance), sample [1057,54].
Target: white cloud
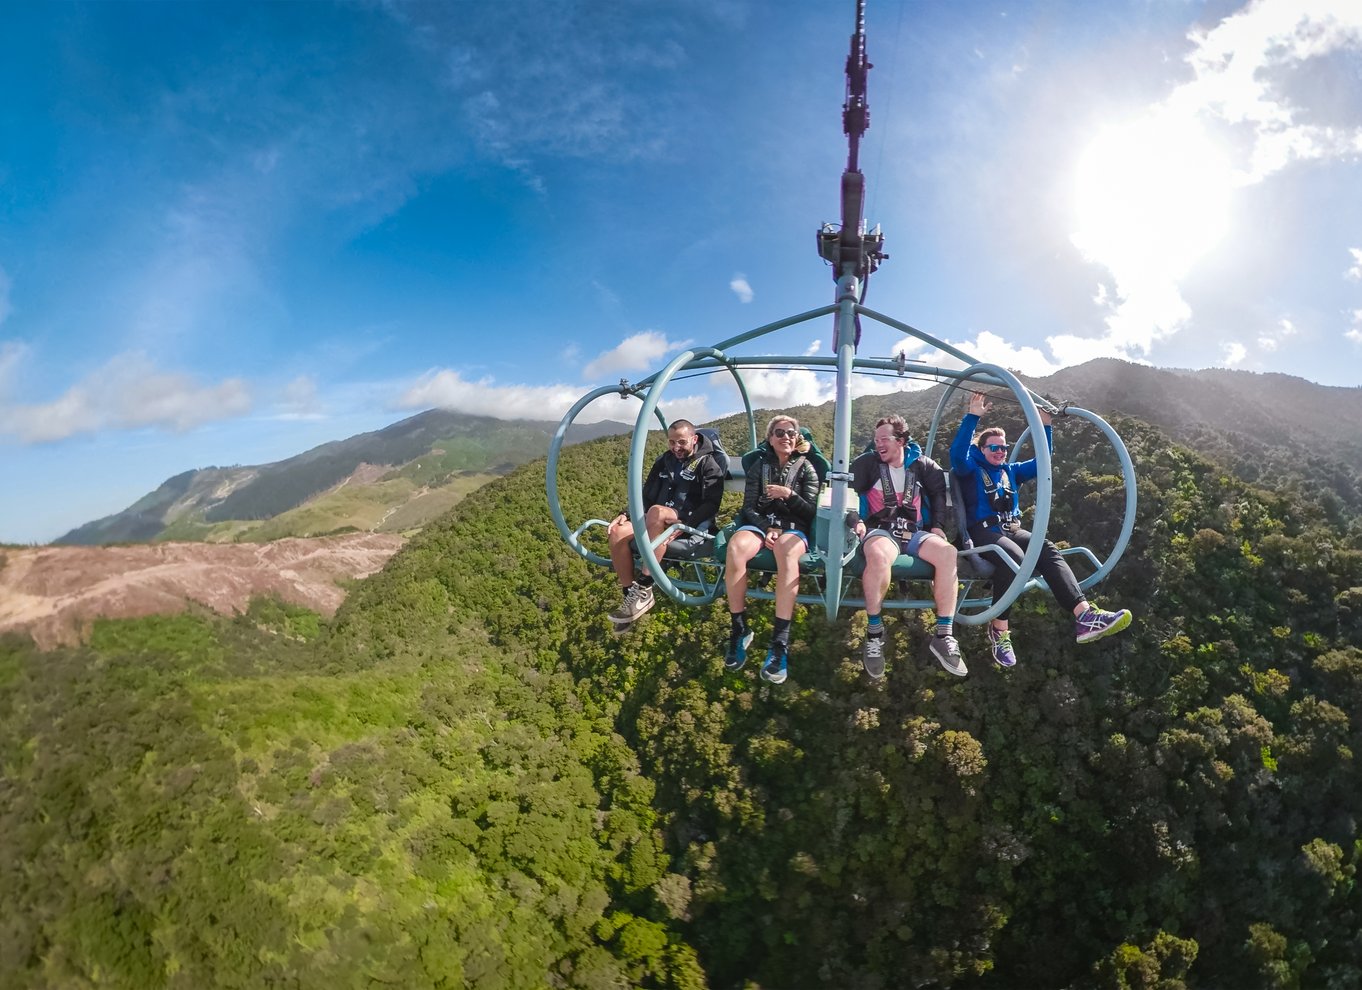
[299,400]
[12,354]
[1153,191]
[1355,335]
[741,288]
[1234,354]
[772,389]
[129,392]
[5,285]
[639,352]
[1243,63]
[447,389]
[1355,272]
[908,345]
[1270,340]
[991,348]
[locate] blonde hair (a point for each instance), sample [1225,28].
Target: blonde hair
[801,445]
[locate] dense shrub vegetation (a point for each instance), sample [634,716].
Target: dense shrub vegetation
[466,780]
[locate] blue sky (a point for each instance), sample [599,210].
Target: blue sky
[229,232]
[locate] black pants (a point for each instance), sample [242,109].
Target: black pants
[1051,566]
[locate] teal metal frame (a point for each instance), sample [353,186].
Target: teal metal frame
[700,581]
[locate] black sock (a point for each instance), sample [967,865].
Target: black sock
[739,627]
[780,632]
[644,581]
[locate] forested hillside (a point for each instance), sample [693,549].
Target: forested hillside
[467,780]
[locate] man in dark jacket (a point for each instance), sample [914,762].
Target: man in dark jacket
[903,505]
[685,485]
[989,483]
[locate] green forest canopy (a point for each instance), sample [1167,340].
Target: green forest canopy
[466,780]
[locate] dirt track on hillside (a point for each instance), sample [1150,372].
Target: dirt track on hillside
[55,593]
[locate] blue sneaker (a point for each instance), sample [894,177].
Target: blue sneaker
[1095,624]
[773,669]
[735,654]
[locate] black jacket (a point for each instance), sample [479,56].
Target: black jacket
[692,487]
[931,476]
[795,512]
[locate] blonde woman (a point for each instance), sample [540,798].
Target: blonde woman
[779,501]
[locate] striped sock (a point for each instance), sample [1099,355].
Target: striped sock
[945,625]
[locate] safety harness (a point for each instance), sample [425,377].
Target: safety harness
[1002,499]
[792,469]
[903,515]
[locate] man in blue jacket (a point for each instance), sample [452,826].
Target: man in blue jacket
[989,485]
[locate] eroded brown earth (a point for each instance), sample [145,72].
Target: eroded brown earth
[55,593]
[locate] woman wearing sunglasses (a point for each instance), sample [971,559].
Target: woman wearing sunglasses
[780,497]
[990,484]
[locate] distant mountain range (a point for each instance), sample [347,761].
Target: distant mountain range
[1268,429]
[1262,427]
[391,479]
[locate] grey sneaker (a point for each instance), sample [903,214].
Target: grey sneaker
[1001,643]
[637,600]
[872,656]
[947,653]
[1095,624]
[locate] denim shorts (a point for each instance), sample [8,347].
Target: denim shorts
[762,533]
[908,546]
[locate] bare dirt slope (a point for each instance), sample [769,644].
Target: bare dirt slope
[55,593]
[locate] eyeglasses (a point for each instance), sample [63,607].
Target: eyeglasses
[995,447]
[778,432]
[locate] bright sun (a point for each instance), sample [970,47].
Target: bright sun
[1152,197]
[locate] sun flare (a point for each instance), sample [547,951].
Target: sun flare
[1152,196]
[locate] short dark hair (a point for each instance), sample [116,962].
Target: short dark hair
[684,425]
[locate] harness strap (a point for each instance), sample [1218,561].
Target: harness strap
[905,509]
[792,470]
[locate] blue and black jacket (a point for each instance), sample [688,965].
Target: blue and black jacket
[990,493]
[692,487]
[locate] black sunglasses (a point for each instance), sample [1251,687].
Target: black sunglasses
[778,432]
[995,447]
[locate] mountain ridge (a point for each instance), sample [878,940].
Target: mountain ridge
[191,503]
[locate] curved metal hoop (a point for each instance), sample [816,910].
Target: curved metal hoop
[1128,480]
[647,550]
[571,536]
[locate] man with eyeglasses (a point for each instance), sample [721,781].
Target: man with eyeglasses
[903,506]
[685,485]
[989,484]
